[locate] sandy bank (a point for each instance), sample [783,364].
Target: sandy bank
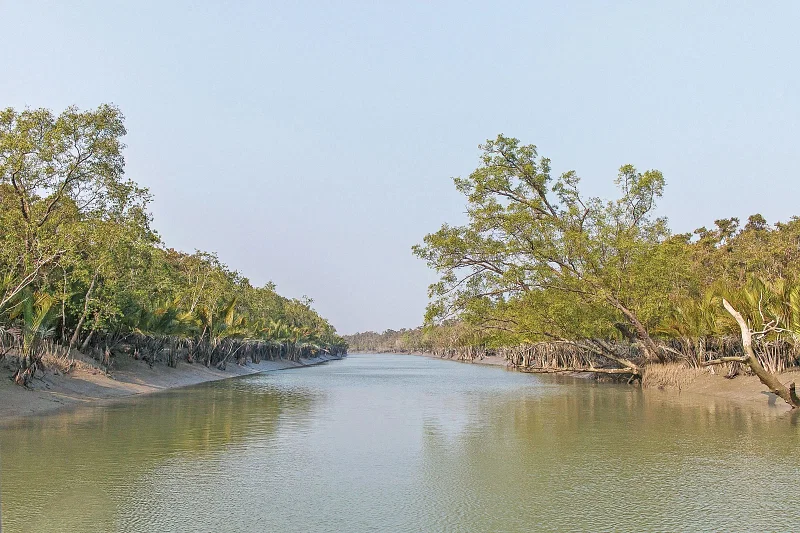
[130,377]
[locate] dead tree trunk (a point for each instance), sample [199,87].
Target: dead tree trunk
[769,379]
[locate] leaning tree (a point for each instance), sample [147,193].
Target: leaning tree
[530,237]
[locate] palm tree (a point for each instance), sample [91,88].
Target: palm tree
[164,323]
[35,325]
[693,322]
[220,328]
[772,308]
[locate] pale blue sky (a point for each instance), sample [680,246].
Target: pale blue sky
[312,144]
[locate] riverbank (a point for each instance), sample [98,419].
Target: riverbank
[744,391]
[689,386]
[488,360]
[88,384]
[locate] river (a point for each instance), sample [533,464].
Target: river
[398,443]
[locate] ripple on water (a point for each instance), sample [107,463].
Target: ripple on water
[399,443]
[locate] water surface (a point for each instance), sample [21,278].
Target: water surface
[402,444]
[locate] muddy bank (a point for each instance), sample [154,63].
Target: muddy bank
[708,386]
[88,384]
[491,360]
[742,391]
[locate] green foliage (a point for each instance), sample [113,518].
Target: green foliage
[79,259]
[36,321]
[539,261]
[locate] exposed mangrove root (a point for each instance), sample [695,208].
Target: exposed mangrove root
[565,370]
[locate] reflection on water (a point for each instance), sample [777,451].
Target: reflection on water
[400,443]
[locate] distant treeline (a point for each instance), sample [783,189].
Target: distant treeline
[390,341]
[430,339]
[82,268]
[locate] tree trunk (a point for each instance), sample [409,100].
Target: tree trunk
[64,310]
[767,378]
[651,351]
[89,336]
[77,334]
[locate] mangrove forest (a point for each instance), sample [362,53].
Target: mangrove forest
[82,269]
[556,281]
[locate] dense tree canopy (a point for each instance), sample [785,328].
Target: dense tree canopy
[538,261]
[77,250]
[536,242]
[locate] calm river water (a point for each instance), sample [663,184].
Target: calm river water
[401,444]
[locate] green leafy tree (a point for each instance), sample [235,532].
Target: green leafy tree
[55,171]
[530,236]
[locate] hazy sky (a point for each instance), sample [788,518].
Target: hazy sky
[312,144]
